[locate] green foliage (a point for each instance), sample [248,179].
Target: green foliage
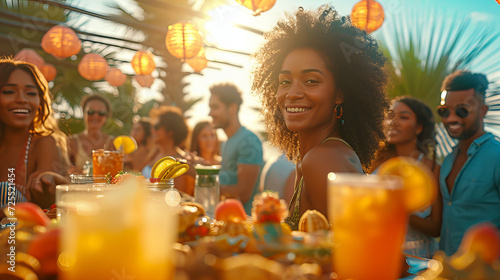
[424,49]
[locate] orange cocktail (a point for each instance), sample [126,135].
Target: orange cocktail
[369,219]
[104,162]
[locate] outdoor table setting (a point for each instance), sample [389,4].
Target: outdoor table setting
[146,229]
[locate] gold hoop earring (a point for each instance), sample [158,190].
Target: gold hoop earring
[338,111]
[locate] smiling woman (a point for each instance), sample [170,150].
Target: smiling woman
[324,100]
[96,111]
[28,138]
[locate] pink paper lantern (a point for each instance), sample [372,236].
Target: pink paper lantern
[30,56]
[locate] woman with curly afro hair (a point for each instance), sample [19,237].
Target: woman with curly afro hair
[322,86]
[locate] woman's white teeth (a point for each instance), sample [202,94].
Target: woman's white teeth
[24,111]
[296,110]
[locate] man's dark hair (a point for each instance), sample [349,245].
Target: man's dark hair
[464,80]
[227,93]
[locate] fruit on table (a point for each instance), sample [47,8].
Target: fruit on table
[168,168]
[481,240]
[125,143]
[27,212]
[267,207]
[189,212]
[418,181]
[230,210]
[313,220]
[45,248]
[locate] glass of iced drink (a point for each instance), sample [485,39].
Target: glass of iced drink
[104,162]
[122,232]
[369,220]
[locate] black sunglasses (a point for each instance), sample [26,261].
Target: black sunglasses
[101,113]
[461,111]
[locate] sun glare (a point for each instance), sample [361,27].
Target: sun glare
[224,35]
[221,32]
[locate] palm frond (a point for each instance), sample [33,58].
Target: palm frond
[424,49]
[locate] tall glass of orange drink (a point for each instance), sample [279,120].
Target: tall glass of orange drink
[122,232]
[369,219]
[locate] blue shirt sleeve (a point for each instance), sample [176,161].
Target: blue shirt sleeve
[250,151]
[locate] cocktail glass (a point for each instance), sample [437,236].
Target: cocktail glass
[369,222]
[104,162]
[123,232]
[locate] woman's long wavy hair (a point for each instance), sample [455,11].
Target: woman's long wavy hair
[39,126]
[354,59]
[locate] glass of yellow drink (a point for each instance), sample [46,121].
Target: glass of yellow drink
[122,232]
[369,220]
[104,162]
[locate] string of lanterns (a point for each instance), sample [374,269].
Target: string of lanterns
[183,41]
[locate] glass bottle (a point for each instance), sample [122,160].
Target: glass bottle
[207,187]
[172,195]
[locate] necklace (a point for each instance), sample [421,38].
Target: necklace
[26,154]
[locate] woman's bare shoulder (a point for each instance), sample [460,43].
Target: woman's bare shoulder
[47,141]
[332,156]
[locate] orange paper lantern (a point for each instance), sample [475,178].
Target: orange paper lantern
[49,71]
[93,67]
[115,77]
[257,6]
[29,55]
[143,63]
[199,62]
[61,42]
[367,15]
[145,80]
[183,40]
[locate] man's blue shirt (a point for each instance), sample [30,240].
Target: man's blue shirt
[475,196]
[244,147]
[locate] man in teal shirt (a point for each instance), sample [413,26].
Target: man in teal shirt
[470,175]
[242,155]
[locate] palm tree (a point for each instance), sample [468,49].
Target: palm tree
[423,50]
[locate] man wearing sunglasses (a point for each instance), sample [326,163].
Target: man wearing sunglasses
[470,175]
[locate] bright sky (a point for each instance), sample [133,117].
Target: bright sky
[225,36]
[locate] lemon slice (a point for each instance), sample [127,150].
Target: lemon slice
[125,143]
[162,166]
[176,171]
[419,184]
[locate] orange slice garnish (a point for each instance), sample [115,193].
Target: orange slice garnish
[125,143]
[419,184]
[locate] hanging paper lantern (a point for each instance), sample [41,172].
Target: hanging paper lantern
[145,80]
[257,6]
[93,67]
[61,42]
[367,15]
[115,77]
[29,55]
[143,63]
[199,62]
[183,40]
[48,71]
